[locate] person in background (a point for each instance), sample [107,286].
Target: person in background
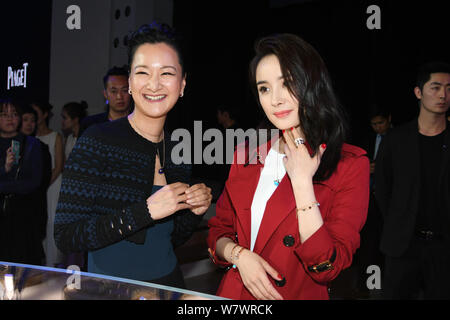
[369,253]
[226,117]
[20,178]
[287,224]
[381,122]
[412,189]
[115,84]
[54,141]
[123,199]
[72,114]
[28,128]
[28,124]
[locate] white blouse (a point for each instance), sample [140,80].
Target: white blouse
[266,187]
[70,143]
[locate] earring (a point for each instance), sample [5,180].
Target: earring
[181,95]
[129,91]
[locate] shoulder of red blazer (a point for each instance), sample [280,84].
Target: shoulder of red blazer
[350,156]
[349,150]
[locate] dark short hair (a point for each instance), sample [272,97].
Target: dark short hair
[4,102]
[115,71]
[424,72]
[232,111]
[322,119]
[16,104]
[43,105]
[154,33]
[76,110]
[376,110]
[26,109]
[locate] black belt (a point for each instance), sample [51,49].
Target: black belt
[429,235]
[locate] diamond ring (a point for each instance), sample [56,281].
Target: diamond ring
[299,141]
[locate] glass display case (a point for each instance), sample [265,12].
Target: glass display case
[29,282]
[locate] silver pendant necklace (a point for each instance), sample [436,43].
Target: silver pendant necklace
[276,182]
[161,170]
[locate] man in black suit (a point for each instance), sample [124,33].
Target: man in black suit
[412,178]
[380,121]
[369,253]
[115,91]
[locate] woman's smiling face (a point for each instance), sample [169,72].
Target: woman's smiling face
[156,79]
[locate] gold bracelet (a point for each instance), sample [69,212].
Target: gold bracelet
[231,252]
[312,205]
[238,253]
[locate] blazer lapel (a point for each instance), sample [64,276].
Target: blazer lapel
[243,189]
[277,209]
[241,194]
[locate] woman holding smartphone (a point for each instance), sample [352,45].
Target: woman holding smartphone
[20,177]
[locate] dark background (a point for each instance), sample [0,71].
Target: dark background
[26,37]
[367,66]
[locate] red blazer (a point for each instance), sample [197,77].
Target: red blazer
[343,199]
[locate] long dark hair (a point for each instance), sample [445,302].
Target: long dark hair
[322,119]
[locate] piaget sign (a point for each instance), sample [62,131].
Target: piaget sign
[17,77]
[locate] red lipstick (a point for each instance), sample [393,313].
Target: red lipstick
[282,114]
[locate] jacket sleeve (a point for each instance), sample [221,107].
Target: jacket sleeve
[185,222]
[78,227]
[339,234]
[222,224]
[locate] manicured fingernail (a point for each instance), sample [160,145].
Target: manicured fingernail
[283,130]
[292,129]
[280,276]
[324,146]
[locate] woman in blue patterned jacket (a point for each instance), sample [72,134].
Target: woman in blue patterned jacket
[122,198]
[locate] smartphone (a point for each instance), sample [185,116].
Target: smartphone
[15,145]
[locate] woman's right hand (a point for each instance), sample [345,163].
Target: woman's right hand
[253,270]
[168,200]
[9,160]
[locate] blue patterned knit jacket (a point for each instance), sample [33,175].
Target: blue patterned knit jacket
[106,181]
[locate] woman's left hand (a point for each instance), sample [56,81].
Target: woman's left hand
[199,198]
[299,164]
[9,160]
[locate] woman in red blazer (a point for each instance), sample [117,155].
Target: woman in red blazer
[289,218]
